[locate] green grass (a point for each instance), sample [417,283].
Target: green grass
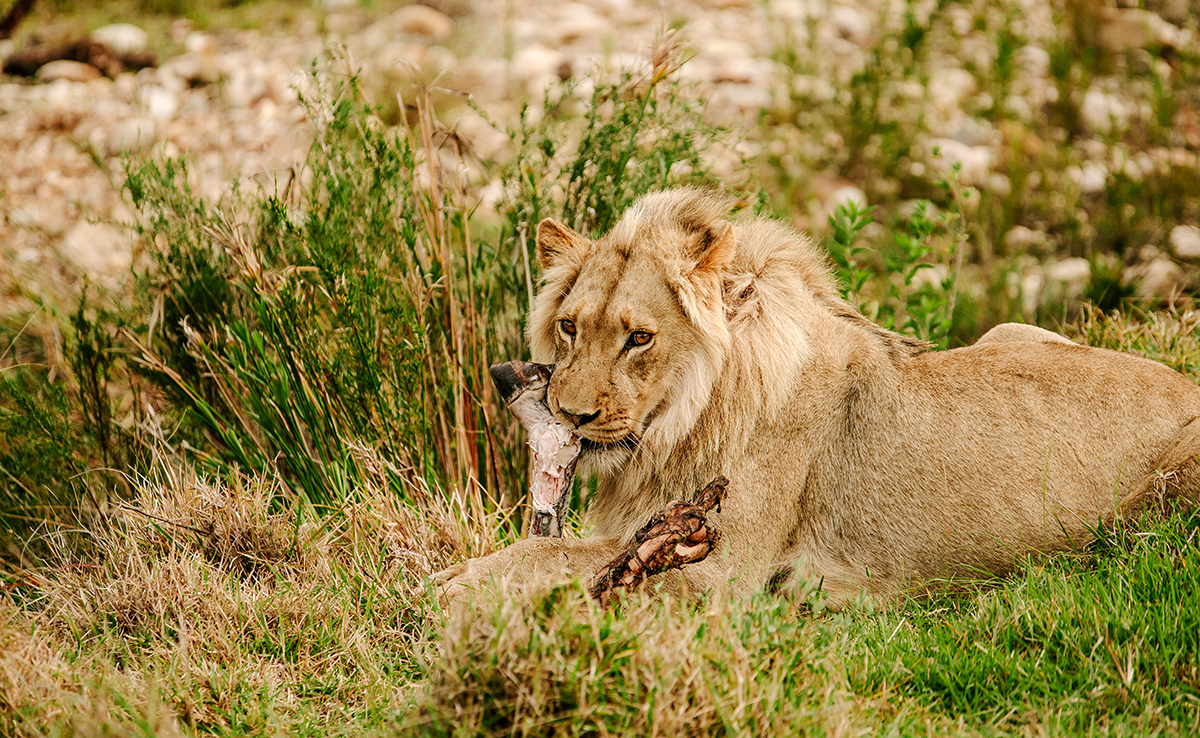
[227,605]
[1073,645]
[1106,643]
[206,612]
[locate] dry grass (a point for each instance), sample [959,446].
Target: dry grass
[1172,338]
[223,607]
[228,607]
[556,663]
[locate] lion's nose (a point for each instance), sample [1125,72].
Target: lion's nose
[578,419]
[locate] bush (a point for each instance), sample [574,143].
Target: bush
[361,307]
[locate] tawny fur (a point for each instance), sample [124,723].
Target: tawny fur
[856,456]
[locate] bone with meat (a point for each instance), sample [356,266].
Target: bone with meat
[677,535]
[555,446]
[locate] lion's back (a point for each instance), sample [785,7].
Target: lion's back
[1031,425]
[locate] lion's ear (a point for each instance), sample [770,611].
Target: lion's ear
[716,248]
[555,239]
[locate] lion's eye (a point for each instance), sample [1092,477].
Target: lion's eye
[639,338]
[567,327]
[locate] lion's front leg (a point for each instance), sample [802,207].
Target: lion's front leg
[531,560]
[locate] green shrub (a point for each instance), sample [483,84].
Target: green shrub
[64,451]
[363,308]
[893,295]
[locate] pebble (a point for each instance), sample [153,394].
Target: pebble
[851,24]
[976,161]
[122,37]
[227,101]
[1185,240]
[948,88]
[1089,178]
[1124,29]
[160,102]
[1159,279]
[100,249]
[1021,239]
[1103,112]
[65,69]
[132,135]
[422,20]
[1075,272]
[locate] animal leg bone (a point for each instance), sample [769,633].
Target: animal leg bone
[675,536]
[555,446]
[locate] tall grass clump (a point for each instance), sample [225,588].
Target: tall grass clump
[557,663]
[225,608]
[912,284]
[359,304]
[325,314]
[70,425]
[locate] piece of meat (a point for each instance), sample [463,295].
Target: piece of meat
[555,446]
[675,536]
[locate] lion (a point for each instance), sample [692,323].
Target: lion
[688,345]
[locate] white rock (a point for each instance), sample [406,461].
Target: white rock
[1031,291]
[935,276]
[193,69]
[1174,11]
[422,20]
[614,8]
[245,86]
[851,24]
[537,66]
[160,102]
[98,248]
[1089,179]
[842,195]
[962,19]
[744,98]
[1020,238]
[39,215]
[1102,111]
[948,88]
[975,132]
[1075,272]
[1123,29]
[792,11]
[131,135]
[122,37]
[1157,279]
[976,160]
[998,184]
[72,71]
[1034,60]
[577,21]
[439,59]
[198,42]
[1185,239]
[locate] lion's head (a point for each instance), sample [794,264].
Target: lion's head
[634,322]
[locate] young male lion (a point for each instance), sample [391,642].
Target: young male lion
[687,346]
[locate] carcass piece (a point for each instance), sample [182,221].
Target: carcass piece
[555,446]
[675,536]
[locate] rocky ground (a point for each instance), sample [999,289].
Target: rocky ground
[229,102]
